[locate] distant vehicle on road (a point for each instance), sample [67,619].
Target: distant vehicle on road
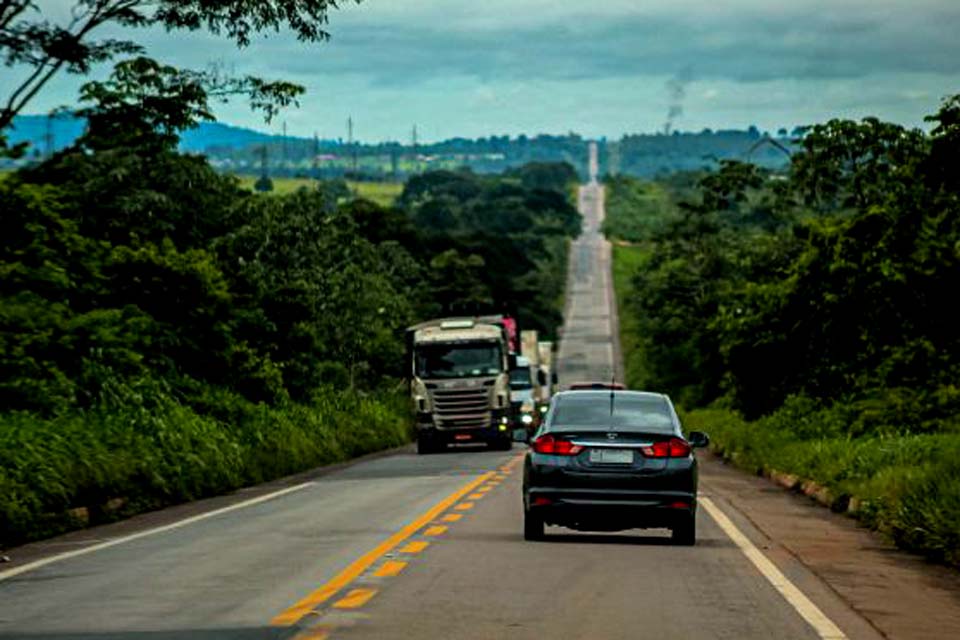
[459,382]
[524,394]
[577,386]
[611,460]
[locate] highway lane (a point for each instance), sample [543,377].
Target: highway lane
[587,350]
[231,575]
[429,547]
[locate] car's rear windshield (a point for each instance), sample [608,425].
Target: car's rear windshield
[592,411]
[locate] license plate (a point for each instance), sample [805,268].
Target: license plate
[463,436]
[611,456]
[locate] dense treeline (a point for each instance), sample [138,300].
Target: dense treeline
[241,150]
[166,335]
[821,300]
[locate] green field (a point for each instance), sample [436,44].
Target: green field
[383,193]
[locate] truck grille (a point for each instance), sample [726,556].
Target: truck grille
[462,408]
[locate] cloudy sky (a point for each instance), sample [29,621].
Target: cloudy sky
[481,67]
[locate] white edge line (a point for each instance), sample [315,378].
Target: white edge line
[823,625]
[31,566]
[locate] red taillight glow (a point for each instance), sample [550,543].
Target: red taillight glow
[541,501]
[551,446]
[672,448]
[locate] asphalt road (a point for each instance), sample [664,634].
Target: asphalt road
[407,546]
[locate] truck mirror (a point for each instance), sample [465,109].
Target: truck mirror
[554,379]
[541,378]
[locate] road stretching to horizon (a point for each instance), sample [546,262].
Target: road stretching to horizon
[405,546]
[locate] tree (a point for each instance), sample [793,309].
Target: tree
[263,184]
[145,100]
[32,40]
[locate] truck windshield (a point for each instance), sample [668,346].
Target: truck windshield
[520,378]
[458,360]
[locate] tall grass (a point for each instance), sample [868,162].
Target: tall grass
[142,448]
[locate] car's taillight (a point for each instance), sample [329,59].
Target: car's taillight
[672,448]
[554,447]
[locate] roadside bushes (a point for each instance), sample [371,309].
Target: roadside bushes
[140,447]
[904,485]
[810,310]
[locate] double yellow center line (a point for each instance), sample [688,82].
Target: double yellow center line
[311,602]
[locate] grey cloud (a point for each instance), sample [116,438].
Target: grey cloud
[743,48]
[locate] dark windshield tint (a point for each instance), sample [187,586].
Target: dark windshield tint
[520,378]
[592,412]
[458,360]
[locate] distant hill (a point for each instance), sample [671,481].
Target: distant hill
[209,135]
[238,150]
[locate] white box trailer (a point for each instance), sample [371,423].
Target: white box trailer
[529,347]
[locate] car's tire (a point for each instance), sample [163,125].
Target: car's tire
[532,526]
[685,533]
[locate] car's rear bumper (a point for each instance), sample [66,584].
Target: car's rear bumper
[596,510]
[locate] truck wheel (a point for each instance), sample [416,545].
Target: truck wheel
[424,446]
[532,526]
[685,533]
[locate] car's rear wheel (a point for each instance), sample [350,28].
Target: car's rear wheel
[685,533]
[532,526]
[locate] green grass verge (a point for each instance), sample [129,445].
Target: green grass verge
[143,449]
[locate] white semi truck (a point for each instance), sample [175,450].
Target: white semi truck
[459,382]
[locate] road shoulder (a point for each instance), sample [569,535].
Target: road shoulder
[898,594]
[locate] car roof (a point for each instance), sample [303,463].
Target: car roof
[573,386]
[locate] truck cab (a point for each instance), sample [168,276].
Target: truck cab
[460,383]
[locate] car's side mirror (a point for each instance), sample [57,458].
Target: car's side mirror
[541,378]
[698,439]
